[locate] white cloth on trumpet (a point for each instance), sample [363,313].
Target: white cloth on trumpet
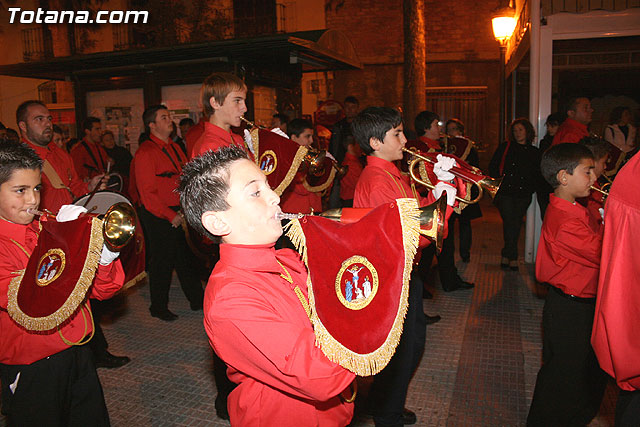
[442,167]
[449,189]
[69,213]
[248,140]
[280,132]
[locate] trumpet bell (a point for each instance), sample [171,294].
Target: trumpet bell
[432,217]
[491,185]
[119,225]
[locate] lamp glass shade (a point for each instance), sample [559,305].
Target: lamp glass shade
[503,27]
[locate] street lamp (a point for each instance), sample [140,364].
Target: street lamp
[504,22]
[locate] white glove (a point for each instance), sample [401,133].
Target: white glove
[441,168]
[107,256]
[248,140]
[69,213]
[449,189]
[279,132]
[601,210]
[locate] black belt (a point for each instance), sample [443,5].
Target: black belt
[573,297]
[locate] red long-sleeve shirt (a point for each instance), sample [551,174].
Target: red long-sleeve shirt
[570,131]
[569,249]
[157,166]
[258,326]
[89,165]
[52,198]
[19,346]
[349,181]
[214,138]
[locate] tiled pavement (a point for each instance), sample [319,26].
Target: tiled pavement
[479,367]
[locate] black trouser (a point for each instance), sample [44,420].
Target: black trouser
[169,250]
[446,260]
[223,384]
[389,389]
[98,343]
[59,390]
[465,236]
[512,210]
[628,409]
[570,384]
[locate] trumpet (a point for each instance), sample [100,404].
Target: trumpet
[482,182]
[431,217]
[602,191]
[118,227]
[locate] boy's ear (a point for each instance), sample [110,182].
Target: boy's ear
[215,224]
[375,143]
[214,104]
[561,176]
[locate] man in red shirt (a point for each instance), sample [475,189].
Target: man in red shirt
[157,166]
[45,379]
[89,158]
[615,337]
[255,301]
[223,97]
[297,198]
[379,132]
[60,182]
[574,128]
[570,384]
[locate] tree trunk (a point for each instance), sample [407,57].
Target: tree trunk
[414,95]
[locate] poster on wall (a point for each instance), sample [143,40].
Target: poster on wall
[120,112]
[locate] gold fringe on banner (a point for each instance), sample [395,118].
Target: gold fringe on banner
[76,297]
[374,362]
[321,187]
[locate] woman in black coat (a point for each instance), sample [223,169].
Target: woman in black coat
[519,162]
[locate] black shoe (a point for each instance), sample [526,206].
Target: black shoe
[504,263]
[165,315]
[513,265]
[196,307]
[466,259]
[426,294]
[460,284]
[109,361]
[221,408]
[430,321]
[409,417]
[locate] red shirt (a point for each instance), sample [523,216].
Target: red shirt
[570,131]
[349,181]
[52,198]
[569,249]
[381,182]
[89,165]
[214,138]
[192,136]
[157,166]
[297,199]
[17,345]
[616,326]
[258,326]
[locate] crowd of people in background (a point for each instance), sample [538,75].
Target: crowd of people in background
[528,165]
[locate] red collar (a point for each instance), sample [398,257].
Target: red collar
[42,151]
[385,165]
[573,209]
[434,145]
[264,258]
[19,232]
[576,124]
[158,141]
[217,132]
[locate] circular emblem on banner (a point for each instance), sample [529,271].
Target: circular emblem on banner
[50,267]
[268,162]
[452,149]
[356,282]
